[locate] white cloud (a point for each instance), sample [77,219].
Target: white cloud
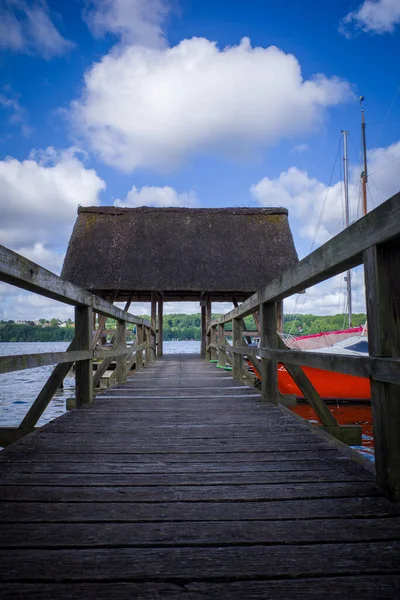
[316,213]
[301,148]
[317,209]
[27,27]
[38,203]
[39,197]
[134,21]
[157,196]
[154,107]
[376,16]
[329,297]
[16,304]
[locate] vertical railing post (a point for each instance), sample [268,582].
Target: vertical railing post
[237,340]
[203,330]
[83,368]
[147,341]
[160,325]
[139,342]
[153,325]
[269,369]
[221,342]
[121,368]
[382,281]
[213,341]
[208,342]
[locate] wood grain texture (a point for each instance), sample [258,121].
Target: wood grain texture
[182,484]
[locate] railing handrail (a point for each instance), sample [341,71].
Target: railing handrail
[26,274]
[342,252]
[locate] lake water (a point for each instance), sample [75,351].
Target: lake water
[19,389]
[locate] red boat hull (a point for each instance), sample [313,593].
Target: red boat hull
[328,384]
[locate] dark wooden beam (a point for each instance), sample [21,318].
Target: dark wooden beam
[382,280]
[84,368]
[160,325]
[269,368]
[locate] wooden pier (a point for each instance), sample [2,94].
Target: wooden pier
[181,484]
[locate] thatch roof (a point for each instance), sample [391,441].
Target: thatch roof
[182,252]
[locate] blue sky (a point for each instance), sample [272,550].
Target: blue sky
[194,103]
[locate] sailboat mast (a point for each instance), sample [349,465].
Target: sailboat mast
[364,174]
[347,219]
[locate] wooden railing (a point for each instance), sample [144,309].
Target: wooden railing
[373,241]
[21,272]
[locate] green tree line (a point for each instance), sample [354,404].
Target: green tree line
[178,327]
[23,332]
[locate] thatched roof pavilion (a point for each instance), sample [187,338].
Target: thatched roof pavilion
[222,254]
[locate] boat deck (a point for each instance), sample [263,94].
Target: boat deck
[181,484]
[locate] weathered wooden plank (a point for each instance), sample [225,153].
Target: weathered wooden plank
[367,587]
[195,534]
[23,273]
[223,468]
[121,512]
[177,564]
[180,457]
[18,362]
[382,270]
[198,493]
[242,477]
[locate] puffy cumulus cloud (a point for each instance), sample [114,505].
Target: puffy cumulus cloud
[157,196]
[134,21]
[39,197]
[16,304]
[375,16]
[329,297]
[153,107]
[304,196]
[316,210]
[27,27]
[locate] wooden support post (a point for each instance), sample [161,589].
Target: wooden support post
[247,338]
[214,341]
[83,368]
[160,325]
[269,368]
[147,341]
[47,392]
[348,434]
[382,280]
[256,317]
[279,316]
[139,342]
[208,332]
[153,322]
[203,329]
[120,343]
[221,342]
[237,340]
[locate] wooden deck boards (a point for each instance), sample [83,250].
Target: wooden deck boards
[182,485]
